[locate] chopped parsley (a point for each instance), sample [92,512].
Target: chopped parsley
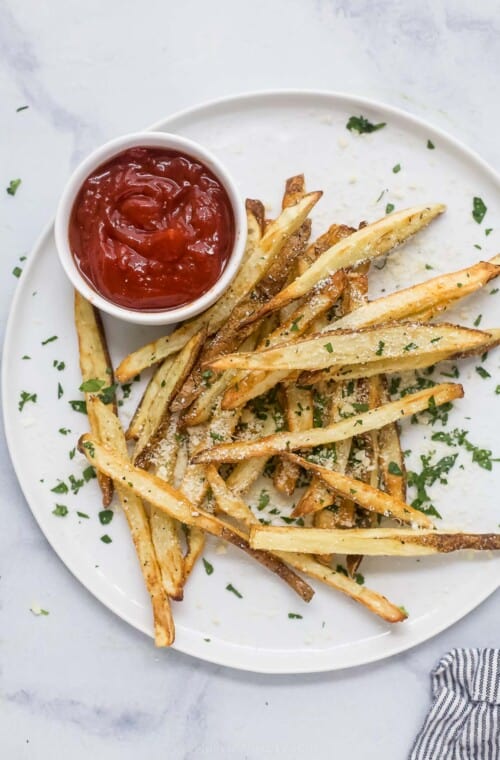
[49,340]
[362,125]
[105,516]
[75,484]
[454,372]
[13,186]
[410,347]
[482,372]
[17,271]
[456,437]
[294,616]
[329,348]
[92,386]
[380,349]
[264,499]
[216,436]
[89,446]
[58,365]
[209,568]
[394,469]
[18,110]
[389,208]
[61,487]
[341,569]
[64,431]
[108,394]
[234,591]
[89,473]
[477,320]
[106,539]
[479,209]
[60,510]
[488,231]
[429,474]
[295,324]
[78,406]
[84,515]
[26,356]
[60,391]
[396,169]
[25,397]
[359,578]
[430,145]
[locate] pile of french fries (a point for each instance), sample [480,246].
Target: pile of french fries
[287,371]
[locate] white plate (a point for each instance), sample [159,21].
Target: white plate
[265,138]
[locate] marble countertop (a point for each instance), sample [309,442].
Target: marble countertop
[80,682]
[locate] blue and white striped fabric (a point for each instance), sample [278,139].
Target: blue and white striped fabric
[464,720]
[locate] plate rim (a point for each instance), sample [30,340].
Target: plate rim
[221,654]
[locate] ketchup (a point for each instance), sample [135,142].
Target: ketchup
[151,229]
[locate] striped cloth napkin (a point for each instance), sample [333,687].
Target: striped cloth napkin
[464,720]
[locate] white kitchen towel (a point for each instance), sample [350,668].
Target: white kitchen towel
[464,720]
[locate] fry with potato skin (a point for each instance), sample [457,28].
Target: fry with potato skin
[369,242]
[111,434]
[370,541]
[371,420]
[347,347]
[162,495]
[363,494]
[233,506]
[95,364]
[168,382]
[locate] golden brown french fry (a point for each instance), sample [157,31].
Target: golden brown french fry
[234,507]
[96,369]
[246,472]
[374,240]
[435,294]
[370,541]
[347,428]
[147,403]
[164,529]
[167,382]
[110,434]
[247,386]
[195,543]
[346,347]
[363,494]
[162,495]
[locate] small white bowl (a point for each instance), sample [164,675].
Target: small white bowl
[101,156]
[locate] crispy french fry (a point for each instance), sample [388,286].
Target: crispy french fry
[167,383]
[364,495]
[234,507]
[96,369]
[196,544]
[147,403]
[248,386]
[374,240]
[371,420]
[110,434]
[162,495]
[435,294]
[348,347]
[165,529]
[370,541]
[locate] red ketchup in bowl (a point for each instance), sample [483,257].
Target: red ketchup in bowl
[152,229]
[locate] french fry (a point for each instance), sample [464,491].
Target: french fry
[371,541]
[374,240]
[195,543]
[391,461]
[248,386]
[167,382]
[96,368]
[340,348]
[234,507]
[347,428]
[110,434]
[363,494]
[147,403]
[162,495]
[436,294]
[165,529]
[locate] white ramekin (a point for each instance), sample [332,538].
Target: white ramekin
[105,153]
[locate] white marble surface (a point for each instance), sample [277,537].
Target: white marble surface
[79,682]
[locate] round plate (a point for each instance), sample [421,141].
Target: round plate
[264,138]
